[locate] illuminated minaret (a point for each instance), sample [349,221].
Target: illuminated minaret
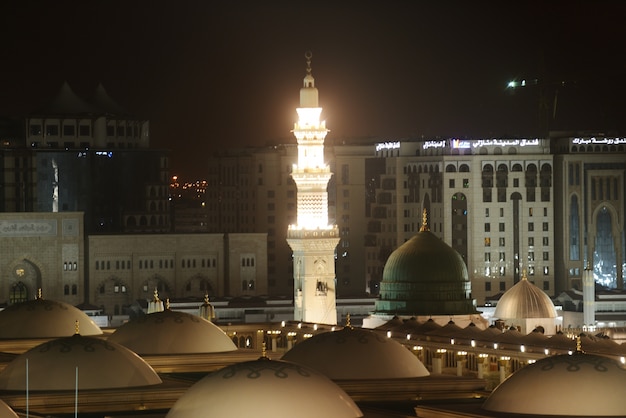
[312,239]
[589,297]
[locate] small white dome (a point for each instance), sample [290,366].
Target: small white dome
[42,318]
[356,354]
[101,365]
[581,385]
[265,388]
[524,300]
[172,332]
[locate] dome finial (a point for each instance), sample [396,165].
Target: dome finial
[167,304]
[524,277]
[579,345]
[348,324]
[39,294]
[264,352]
[76,327]
[424,226]
[156,295]
[308,55]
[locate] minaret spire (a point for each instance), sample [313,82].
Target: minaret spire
[312,238]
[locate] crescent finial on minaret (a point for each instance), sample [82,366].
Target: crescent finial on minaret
[308,55]
[424,226]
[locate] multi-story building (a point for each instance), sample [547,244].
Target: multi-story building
[74,155]
[590,187]
[506,205]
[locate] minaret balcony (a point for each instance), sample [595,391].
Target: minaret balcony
[297,233]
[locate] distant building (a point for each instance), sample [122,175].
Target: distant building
[499,202]
[91,157]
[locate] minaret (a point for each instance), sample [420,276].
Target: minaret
[312,239]
[589,297]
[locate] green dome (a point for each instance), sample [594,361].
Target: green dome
[425,276]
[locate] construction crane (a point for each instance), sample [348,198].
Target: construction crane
[547,102]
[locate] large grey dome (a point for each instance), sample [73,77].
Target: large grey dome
[525,300]
[594,386]
[348,354]
[265,388]
[101,365]
[172,332]
[43,318]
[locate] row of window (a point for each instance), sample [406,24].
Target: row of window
[531,226]
[501,271]
[502,287]
[83,130]
[162,264]
[531,242]
[66,289]
[530,212]
[70,266]
[247,262]
[531,256]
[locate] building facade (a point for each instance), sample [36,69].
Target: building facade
[504,204]
[87,156]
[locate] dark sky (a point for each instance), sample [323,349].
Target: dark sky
[211,74]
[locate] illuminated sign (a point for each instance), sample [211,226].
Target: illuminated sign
[460,144]
[466,144]
[505,142]
[387,145]
[108,154]
[601,141]
[434,144]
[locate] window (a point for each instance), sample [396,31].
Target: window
[486,212]
[487,227]
[546,241]
[84,130]
[487,242]
[68,130]
[546,285]
[515,182]
[52,130]
[546,256]
[502,242]
[530,211]
[487,286]
[502,271]
[546,271]
[531,241]
[531,256]
[487,257]
[465,183]
[545,211]
[531,270]
[35,129]
[531,226]
[501,227]
[545,226]
[502,286]
[502,256]
[501,212]
[451,183]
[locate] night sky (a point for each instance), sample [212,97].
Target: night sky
[211,74]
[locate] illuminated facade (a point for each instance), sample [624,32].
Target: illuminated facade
[591,185]
[311,238]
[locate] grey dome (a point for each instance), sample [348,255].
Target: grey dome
[348,354]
